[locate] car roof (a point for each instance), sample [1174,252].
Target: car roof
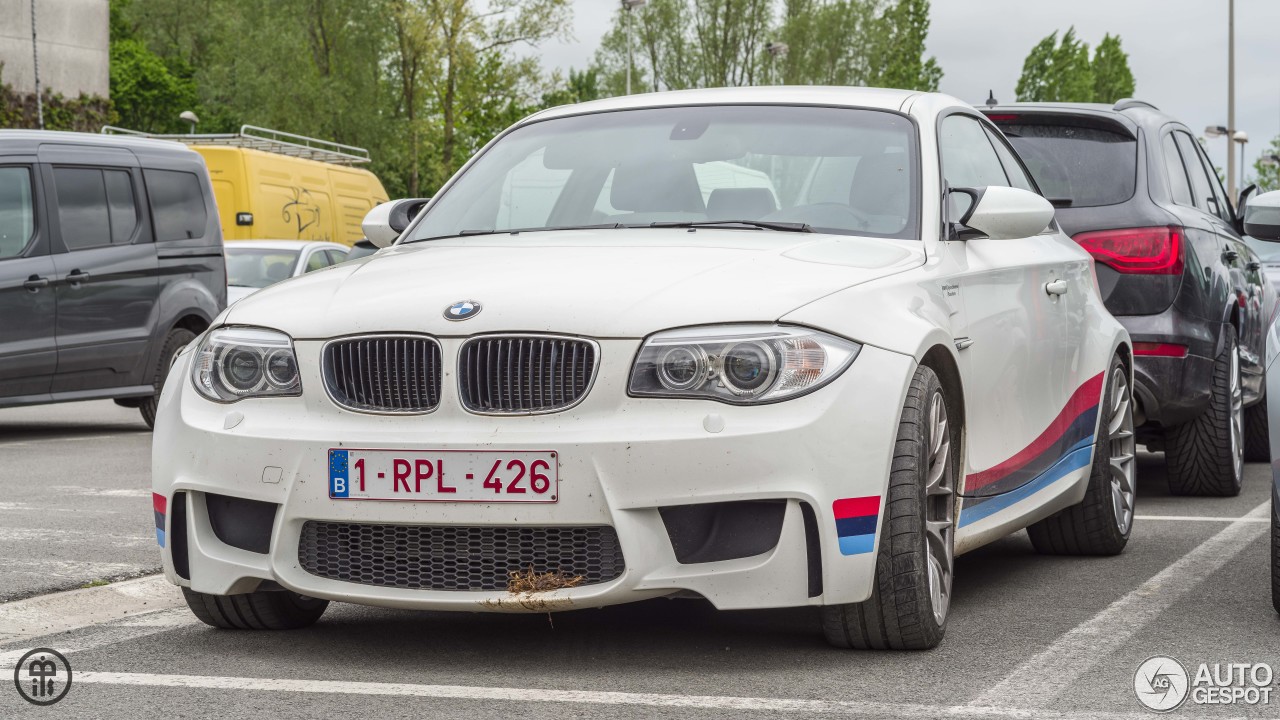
[853,97]
[283,244]
[31,140]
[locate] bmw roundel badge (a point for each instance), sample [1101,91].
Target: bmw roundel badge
[463,310]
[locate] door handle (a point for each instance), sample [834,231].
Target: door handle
[1056,287]
[1254,266]
[1230,255]
[35,282]
[75,277]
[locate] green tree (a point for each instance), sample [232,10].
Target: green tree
[146,95]
[898,55]
[1267,174]
[1057,71]
[1112,78]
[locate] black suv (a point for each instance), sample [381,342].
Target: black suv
[110,261]
[1134,188]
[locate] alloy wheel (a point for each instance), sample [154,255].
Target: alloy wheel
[1237,418]
[1122,446]
[939,509]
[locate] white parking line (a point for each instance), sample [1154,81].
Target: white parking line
[588,697]
[1036,683]
[1202,518]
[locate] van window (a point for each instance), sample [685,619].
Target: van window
[82,207]
[177,204]
[124,213]
[17,212]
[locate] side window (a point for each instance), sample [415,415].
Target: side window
[1195,171]
[336,256]
[82,207]
[1017,177]
[1179,188]
[968,160]
[317,260]
[17,211]
[1222,205]
[120,204]
[177,204]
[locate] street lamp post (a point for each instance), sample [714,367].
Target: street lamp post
[1241,137]
[1231,95]
[630,5]
[777,50]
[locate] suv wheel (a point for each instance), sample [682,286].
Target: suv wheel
[177,339]
[915,562]
[258,610]
[1101,523]
[1206,456]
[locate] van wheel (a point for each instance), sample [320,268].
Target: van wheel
[177,339]
[1206,455]
[1100,524]
[258,610]
[915,559]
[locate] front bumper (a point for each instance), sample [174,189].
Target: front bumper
[621,459]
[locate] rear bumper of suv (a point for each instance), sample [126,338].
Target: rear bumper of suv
[1173,390]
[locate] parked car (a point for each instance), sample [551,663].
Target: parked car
[255,264]
[1262,224]
[611,397]
[362,248]
[110,262]
[1135,189]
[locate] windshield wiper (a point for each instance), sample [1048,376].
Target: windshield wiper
[761,224]
[513,231]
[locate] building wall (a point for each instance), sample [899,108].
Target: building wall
[73,45]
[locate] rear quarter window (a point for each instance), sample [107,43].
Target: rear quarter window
[177,204]
[1087,166]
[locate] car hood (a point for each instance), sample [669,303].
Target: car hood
[607,283]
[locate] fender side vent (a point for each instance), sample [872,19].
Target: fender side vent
[813,549]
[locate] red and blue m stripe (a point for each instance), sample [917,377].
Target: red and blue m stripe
[856,520]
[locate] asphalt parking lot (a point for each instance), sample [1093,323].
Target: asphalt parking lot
[1029,636]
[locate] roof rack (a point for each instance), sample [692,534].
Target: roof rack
[1126,103]
[267,140]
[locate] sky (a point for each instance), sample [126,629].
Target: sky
[1177,51]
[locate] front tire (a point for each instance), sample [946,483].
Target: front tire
[915,560]
[177,339]
[1206,455]
[1100,524]
[258,610]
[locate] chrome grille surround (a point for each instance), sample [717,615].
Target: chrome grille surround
[386,374]
[456,558]
[525,374]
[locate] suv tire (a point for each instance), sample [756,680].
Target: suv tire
[177,339]
[1206,455]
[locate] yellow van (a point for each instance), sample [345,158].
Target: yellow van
[271,185]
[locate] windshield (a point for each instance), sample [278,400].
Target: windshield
[1088,166]
[845,171]
[258,267]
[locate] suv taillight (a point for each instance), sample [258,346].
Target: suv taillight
[1142,251]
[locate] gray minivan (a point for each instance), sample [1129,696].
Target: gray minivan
[110,262]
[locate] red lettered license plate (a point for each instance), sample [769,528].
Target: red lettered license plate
[444,475]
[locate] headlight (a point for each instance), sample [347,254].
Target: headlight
[240,362]
[739,364]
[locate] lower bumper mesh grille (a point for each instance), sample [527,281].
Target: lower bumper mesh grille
[439,557]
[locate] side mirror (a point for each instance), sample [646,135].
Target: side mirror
[1005,213]
[1262,216]
[1241,203]
[387,221]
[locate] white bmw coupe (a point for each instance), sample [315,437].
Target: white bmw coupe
[771,347]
